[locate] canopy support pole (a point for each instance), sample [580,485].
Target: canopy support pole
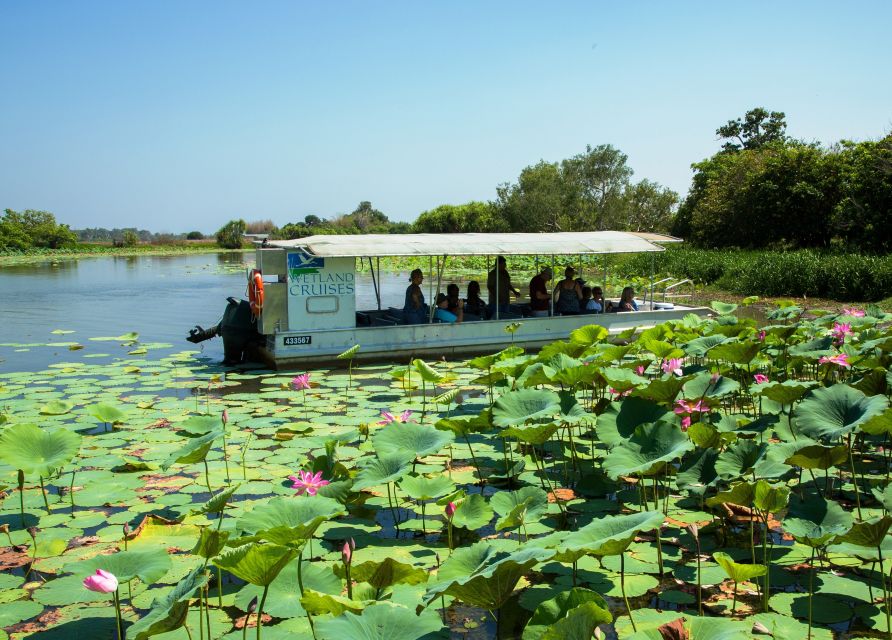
[375,283]
[652,307]
[440,269]
[378,290]
[496,269]
[551,297]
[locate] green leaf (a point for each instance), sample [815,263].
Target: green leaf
[37,451]
[289,521]
[473,512]
[106,413]
[620,419]
[380,621]
[723,308]
[56,408]
[318,604]
[565,616]
[194,450]
[816,521]
[283,597]
[819,457]
[149,565]
[739,459]
[484,574]
[535,499]
[609,535]
[410,438]
[703,386]
[832,412]
[420,487]
[383,469]
[218,503]
[384,573]
[588,335]
[169,612]
[770,498]
[200,425]
[349,353]
[741,494]
[526,405]
[427,372]
[739,572]
[784,393]
[869,533]
[210,542]
[256,563]
[648,451]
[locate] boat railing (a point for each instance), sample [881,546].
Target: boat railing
[673,290]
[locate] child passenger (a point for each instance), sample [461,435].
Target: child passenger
[444,315]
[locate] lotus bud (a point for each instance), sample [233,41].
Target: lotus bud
[437,556]
[450,510]
[715,377]
[126,529]
[252,606]
[33,531]
[225,417]
[4,528]
[352,545]
[695,531]
[21,479]
[761,629]
[346,553]
[101,582]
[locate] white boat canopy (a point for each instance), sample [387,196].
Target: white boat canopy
[476,244]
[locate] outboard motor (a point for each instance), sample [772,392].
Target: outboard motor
[237,328]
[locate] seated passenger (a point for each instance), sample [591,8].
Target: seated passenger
[474,303]
[588,303]
[627,300]
[414,309]
[597,303]
[444,315]
[540,301]
[567,294]
[452,298]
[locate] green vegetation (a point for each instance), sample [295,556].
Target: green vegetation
[229,236]
[803,273]
[30,229]
[704,478]
[768,191]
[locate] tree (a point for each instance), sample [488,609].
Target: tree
[862,214]
[22,230]
[473,217]
[312,220]
[648,206]
[757,128]
[130,238]
[195,235]
[597,179]
[536,202]
[261,226]
[229,236]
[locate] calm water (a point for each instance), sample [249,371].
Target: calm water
[159,297]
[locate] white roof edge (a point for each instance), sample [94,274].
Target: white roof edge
[476,244]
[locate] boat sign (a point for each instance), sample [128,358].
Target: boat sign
[298,340]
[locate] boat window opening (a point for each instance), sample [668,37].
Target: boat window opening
[323,304]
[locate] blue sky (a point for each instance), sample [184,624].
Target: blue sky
[174,116]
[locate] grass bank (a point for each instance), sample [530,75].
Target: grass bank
[93,250]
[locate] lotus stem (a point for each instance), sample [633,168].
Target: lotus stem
[22,497]
[300,586]
[449,533]
[188,631]
[659,549]
[811,587]
[396,522]
[474,458]
[423,522]
[734,605]
[220,587]
[71,492]
[622,586]
[118,614]
[205,590]
[885,592]
[854,477]
[260,610]
[207,476]
[766,581]
[43,493]
[200,615]
[225,457]
[699,587]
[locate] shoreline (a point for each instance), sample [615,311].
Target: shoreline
[103,251]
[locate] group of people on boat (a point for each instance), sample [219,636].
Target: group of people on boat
[570,296]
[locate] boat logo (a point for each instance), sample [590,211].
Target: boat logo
[300,263]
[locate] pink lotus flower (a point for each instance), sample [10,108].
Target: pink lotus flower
[450,510]
[639,370]
[673,365]
[715,377]
[683,406]
[840,359]
[620,394]
[301,382]
[389,417]
[762,336]
[101,582]
[840,330]
[685,423]
[760,378]
[307,482]
[852,311]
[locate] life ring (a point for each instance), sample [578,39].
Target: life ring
[255,292]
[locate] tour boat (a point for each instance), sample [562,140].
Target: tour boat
[303,295]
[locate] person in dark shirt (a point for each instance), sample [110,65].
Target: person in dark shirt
[452,298]
[540,299]
[414,309]
[474,304]
[502,282]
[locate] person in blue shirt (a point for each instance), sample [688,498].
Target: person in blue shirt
[444,315]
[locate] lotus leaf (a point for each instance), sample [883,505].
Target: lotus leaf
[534,499]
[770,498]
[383,469]
[289,521]
[427,372]
[739,459]
[571,615]
[410,438]
[868,533]
[169,612]
[56,408]
[473,512]
[258,564]
[588,334]
[703,386]
[648,450]
[37,451]
[149,565]
[194,450]
[381,621]
[316,603]
[420,487]
[736,571]
[620,419]
[697,473]
[536,434]
[816,522]
[210,542]
[283,597]
[199,425]
[832,412]
[623,379]
[484,574]
[817,456]
[106,413]
[524,406]
[218,503]
[384,573]
[609,535]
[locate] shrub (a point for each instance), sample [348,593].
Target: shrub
[195,235]
[229,236]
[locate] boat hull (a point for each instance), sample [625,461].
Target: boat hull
[300,348]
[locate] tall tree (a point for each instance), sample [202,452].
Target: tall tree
[757,128]
[597,179]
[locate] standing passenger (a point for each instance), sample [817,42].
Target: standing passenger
[567,294]
[414,309]
[540,300]
[500,279]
